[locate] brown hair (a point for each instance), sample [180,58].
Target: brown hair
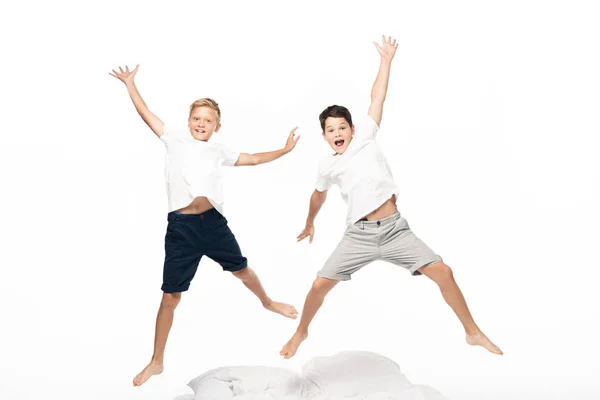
[335,112]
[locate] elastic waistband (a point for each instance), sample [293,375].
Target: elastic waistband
[175,215]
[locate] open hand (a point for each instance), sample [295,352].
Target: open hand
[308,231]
[387,50]
[125,76]
[291,141]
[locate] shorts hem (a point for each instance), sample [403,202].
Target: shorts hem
[334,277]
[236,268]
[175,289]
[414,270]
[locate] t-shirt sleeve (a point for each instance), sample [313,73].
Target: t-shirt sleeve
[367,129]
[230,157]
[323,182]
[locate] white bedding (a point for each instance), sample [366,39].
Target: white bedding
[344,376]
[415,393]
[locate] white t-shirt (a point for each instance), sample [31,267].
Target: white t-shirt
[362,173]
[194,168]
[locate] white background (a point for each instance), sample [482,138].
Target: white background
[490,127]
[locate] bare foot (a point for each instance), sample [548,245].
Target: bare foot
[291,347]
[481,340]
[284,309]
[150,370]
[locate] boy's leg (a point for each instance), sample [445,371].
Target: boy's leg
[224,249]
[400,246]
[182,257]
[357,249]
[164,321]
[314,300]
[251,281]
[442,275]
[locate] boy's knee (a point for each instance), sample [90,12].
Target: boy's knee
[243,274]
[446,272]
[322,286]
[442,273]
[170,300]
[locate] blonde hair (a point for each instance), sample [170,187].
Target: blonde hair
[206,102]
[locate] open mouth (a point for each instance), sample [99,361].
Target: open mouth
[339,142]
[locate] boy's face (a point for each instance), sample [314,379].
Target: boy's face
[338,134]
[203,123]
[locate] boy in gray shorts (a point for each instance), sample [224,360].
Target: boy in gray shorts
[376,231]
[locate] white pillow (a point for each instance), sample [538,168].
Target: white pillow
[184,397]
[261,379]
[207,387]
[354,373]
[226,382]
[421,392]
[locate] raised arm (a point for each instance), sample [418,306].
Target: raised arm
[316,202]
[261,158]
[387,50]
[149,118]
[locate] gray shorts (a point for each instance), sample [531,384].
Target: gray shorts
[389,239]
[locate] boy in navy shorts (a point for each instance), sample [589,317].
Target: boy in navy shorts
[196,225]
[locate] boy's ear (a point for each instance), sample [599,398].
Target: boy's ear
[352,130]
[218,127]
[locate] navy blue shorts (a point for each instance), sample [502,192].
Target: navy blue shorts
[191,236]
